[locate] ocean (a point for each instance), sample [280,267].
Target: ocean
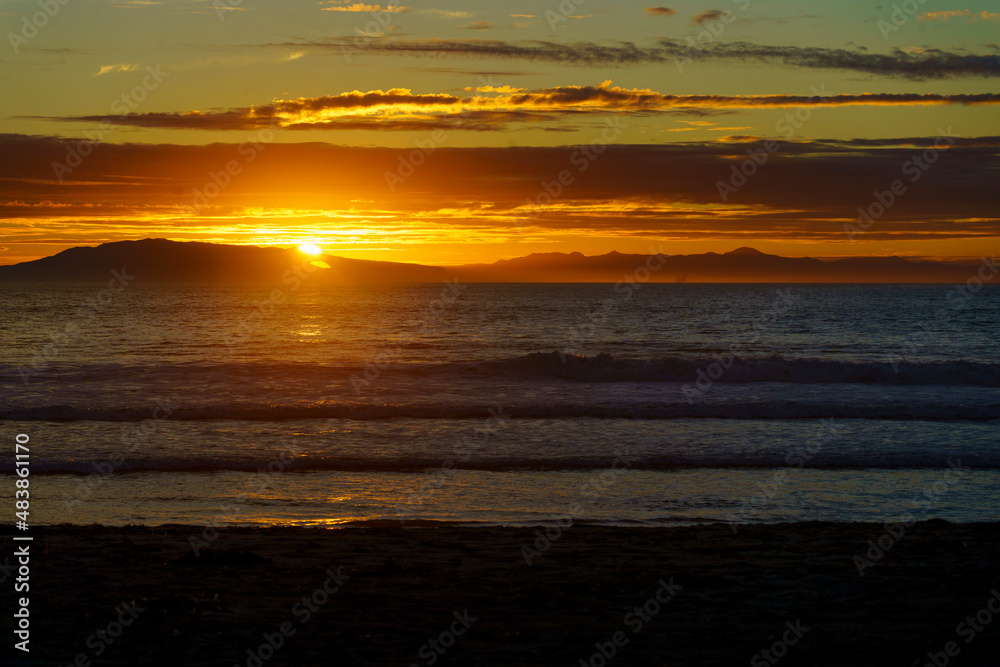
[512,404]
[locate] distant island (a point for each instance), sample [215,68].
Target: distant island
[165,261]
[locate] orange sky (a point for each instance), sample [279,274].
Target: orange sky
[472,131]
[478,205]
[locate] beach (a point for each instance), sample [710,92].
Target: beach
[592,595]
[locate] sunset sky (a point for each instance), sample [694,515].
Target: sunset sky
[438,132]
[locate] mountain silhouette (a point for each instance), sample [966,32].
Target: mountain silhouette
[740,265]
[161,260]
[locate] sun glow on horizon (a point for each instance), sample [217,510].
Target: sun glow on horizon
[311,249]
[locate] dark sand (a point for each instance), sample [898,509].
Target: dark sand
[404,585]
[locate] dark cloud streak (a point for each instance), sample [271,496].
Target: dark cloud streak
[807,190]
[403,110]
[925,65]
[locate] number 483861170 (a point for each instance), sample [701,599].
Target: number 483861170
[21,461]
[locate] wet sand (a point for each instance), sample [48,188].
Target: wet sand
[465,596]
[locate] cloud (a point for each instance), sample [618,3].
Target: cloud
[478,25]
[606,96]
[946,15]
[660,11]
[496,107]
[580,53]
[710,15]
[342,6]
[930,64]
[807,191]
[446,13]
[780,20]
[120,67]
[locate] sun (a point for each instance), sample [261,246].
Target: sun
[311,249]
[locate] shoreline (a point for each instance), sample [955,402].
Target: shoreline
[382,594]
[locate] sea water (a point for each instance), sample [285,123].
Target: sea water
[517,404]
